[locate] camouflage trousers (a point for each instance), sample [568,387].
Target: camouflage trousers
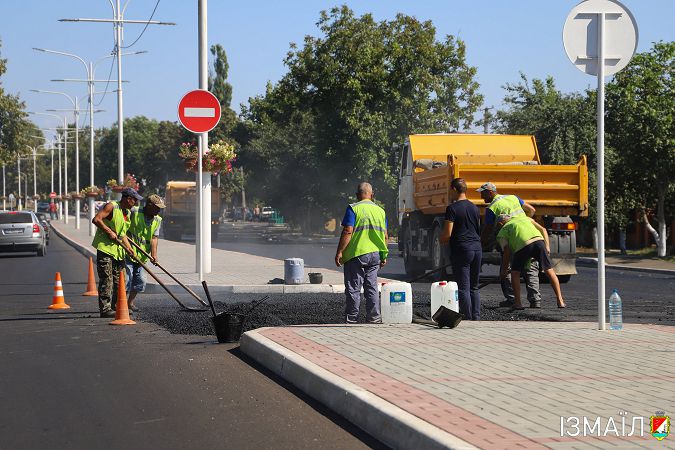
[108,277]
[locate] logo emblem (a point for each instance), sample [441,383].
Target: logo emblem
[660,425]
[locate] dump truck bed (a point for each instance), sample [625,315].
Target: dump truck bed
[510,162]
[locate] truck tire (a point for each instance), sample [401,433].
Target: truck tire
[413,267]
[436,255]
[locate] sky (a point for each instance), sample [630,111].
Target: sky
[503,39]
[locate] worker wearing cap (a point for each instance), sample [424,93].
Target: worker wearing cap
[516,208]
[112,223]
[522,240]
[362,250]
[144,231]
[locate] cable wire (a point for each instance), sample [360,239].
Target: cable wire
[107,83]
[144,28]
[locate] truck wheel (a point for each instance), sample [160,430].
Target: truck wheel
[436,256]
[412,265]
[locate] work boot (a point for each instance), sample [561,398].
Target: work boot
[133,307]
[535,305]
[506,303]
[110,314]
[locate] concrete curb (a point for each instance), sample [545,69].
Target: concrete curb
[381,419]
[279,289]
[593,262]
[86,251]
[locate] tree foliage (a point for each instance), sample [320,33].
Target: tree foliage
[640,112]
[348,95]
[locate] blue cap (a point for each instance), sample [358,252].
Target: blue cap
[131,192]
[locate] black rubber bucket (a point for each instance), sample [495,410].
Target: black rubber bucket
[228,326]
[445,317]
[315,278]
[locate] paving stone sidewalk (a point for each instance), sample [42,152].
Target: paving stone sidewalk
[232,271]
[489,385]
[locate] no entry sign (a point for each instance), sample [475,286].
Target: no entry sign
[52,195]
[199,111]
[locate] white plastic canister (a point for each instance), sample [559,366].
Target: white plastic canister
[396,303]
[294,271]
[444,293]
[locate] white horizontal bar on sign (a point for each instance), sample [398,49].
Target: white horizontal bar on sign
[200,112]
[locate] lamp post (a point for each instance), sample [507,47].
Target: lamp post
[90,69]
[76,111]
[118,21]
[4,194]
[64,205]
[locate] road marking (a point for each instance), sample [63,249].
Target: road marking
[199,112]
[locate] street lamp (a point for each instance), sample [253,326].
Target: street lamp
[76,110]
[64,205]
[118,22]
[90,69]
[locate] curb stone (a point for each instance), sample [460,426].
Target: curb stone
[381,419]
[593,262]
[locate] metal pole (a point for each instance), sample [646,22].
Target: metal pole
[4,194]
[65,168]
[60,184]
[120,119]
[601,171]
[90,200]
[77,163]
[18,177]
[34,182]
[203,243]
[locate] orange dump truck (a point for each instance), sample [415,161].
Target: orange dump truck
[430,161]
[179,216]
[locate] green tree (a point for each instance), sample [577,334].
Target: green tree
[640,112]
[352,92]
[222,89]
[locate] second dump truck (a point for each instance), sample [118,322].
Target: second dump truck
[429,163]
[179,215]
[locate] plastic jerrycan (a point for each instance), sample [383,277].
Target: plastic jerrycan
[444,293]
[396,302]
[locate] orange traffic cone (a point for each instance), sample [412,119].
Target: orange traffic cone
[122,309]
[58,302]
[91,282]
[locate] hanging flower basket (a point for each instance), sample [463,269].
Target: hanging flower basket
[129,181]
[91,191]
[76,196]
[3,198]
[66,197]
[218,157]
[36,197]
[58,198]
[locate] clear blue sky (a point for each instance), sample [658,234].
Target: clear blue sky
[503,38]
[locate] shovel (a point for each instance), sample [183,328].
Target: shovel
[187,308]
[144,253]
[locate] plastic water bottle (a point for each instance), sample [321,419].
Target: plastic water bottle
[615,311]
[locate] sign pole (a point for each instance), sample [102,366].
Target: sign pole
[601,170]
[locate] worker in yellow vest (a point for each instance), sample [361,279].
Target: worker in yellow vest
[112,223]
[362,250]
[516,208]
[522,240]
[144,231]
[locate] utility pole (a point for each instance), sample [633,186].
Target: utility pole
[4,194]
[118,22]
[203,225]
[18,178]
[90,69]
[486,120]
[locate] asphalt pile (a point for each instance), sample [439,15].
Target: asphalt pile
[283,310]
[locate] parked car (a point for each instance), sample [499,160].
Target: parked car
[21,231]
[266,213]
[43,207]
[45,222]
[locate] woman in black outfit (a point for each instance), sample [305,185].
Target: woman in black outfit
[462,230]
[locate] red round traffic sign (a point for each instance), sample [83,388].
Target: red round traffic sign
[199,111]
[52,195]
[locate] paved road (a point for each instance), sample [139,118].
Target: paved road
[69,380]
